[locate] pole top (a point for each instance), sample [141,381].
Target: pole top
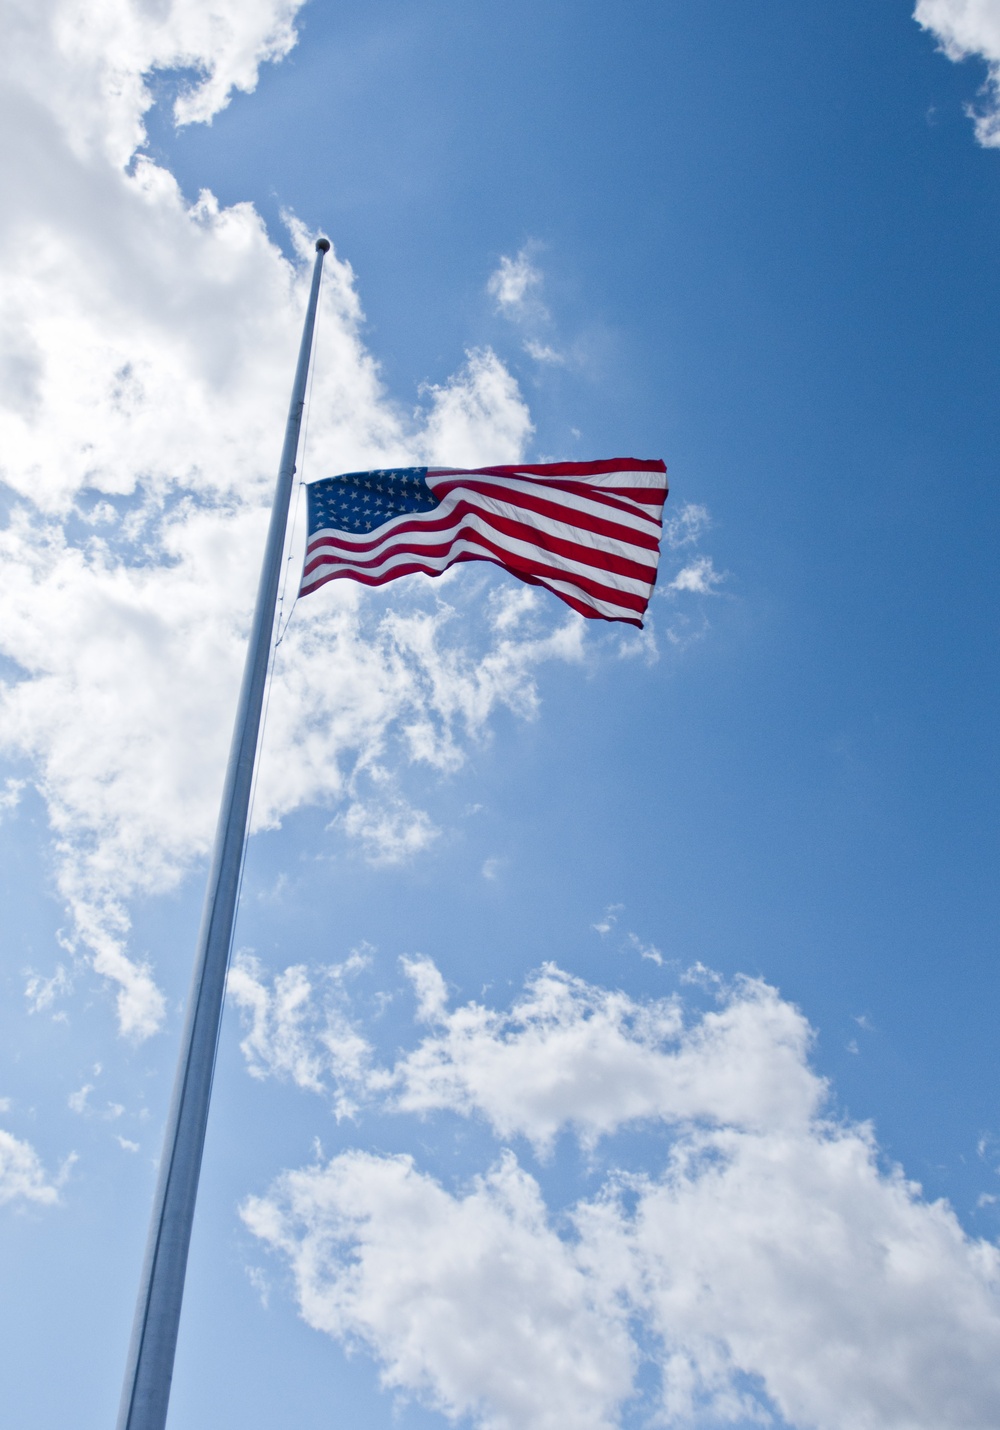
[322,245]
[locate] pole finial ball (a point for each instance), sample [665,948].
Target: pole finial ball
[322,245]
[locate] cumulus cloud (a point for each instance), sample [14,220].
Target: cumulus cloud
[478,417]
[766,1266]
[146,344]
[88,65]
[568,1054]
[472,1300]
[966,28]
[22,1176]
[832,1283]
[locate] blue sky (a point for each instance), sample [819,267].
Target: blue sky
[612,1033]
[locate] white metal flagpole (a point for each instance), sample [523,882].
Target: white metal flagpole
[146,1391]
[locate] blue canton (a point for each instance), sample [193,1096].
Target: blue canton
[361,501]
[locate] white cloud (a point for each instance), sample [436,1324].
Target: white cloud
[698,576]
[22,1176]
[693,577]
[648,951]
[278,1042]
[568,1054]
[543,353]
[88,64]
[146,345]
[77,1101]
[609,923]
[430,988]
[765,1264]
[472,1301]
[478,417]
[606,923]
[10,796]
[685,525]
[515,284]
[698,975]
[853,1300]
[295,1035]
[41,992]
[390,833]
[510,606]
[966,28]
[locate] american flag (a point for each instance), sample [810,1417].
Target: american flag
[589,531]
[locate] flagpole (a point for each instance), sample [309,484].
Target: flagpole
[149,1370]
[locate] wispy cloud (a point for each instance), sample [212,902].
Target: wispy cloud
[544,353]
[608,920]
[516,285]
[42,993]
[10,796]
[299,1032]
[516,288]
[648,951]
[698,577]
[22,1176]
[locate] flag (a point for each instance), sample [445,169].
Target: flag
[588,531]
